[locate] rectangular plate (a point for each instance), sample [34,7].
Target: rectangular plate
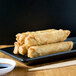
[42,59]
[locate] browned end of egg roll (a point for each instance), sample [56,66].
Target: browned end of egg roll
[41,38]
[16,48]
[20,37]
[36,51]
[22,50]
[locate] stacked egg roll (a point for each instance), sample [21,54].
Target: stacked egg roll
[36,51]
[44,42]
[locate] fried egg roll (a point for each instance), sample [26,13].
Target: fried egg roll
[16,48]
[22,50]
[20,37]
[36,51]
[48,37]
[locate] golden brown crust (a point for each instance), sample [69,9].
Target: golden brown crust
[22,50]
[16,48]
[38,38]
[32,53]
[41,38]
[35,51]
[20,37]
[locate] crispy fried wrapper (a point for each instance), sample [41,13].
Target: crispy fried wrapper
[47,37]
[16,48]
[22,50]
[20,37]
[36,51]
[20,46]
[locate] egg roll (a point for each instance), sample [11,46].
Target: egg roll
[16,48]
[48,37]
[20,37]
[36,51]
[22,50]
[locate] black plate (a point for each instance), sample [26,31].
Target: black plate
[43,59]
